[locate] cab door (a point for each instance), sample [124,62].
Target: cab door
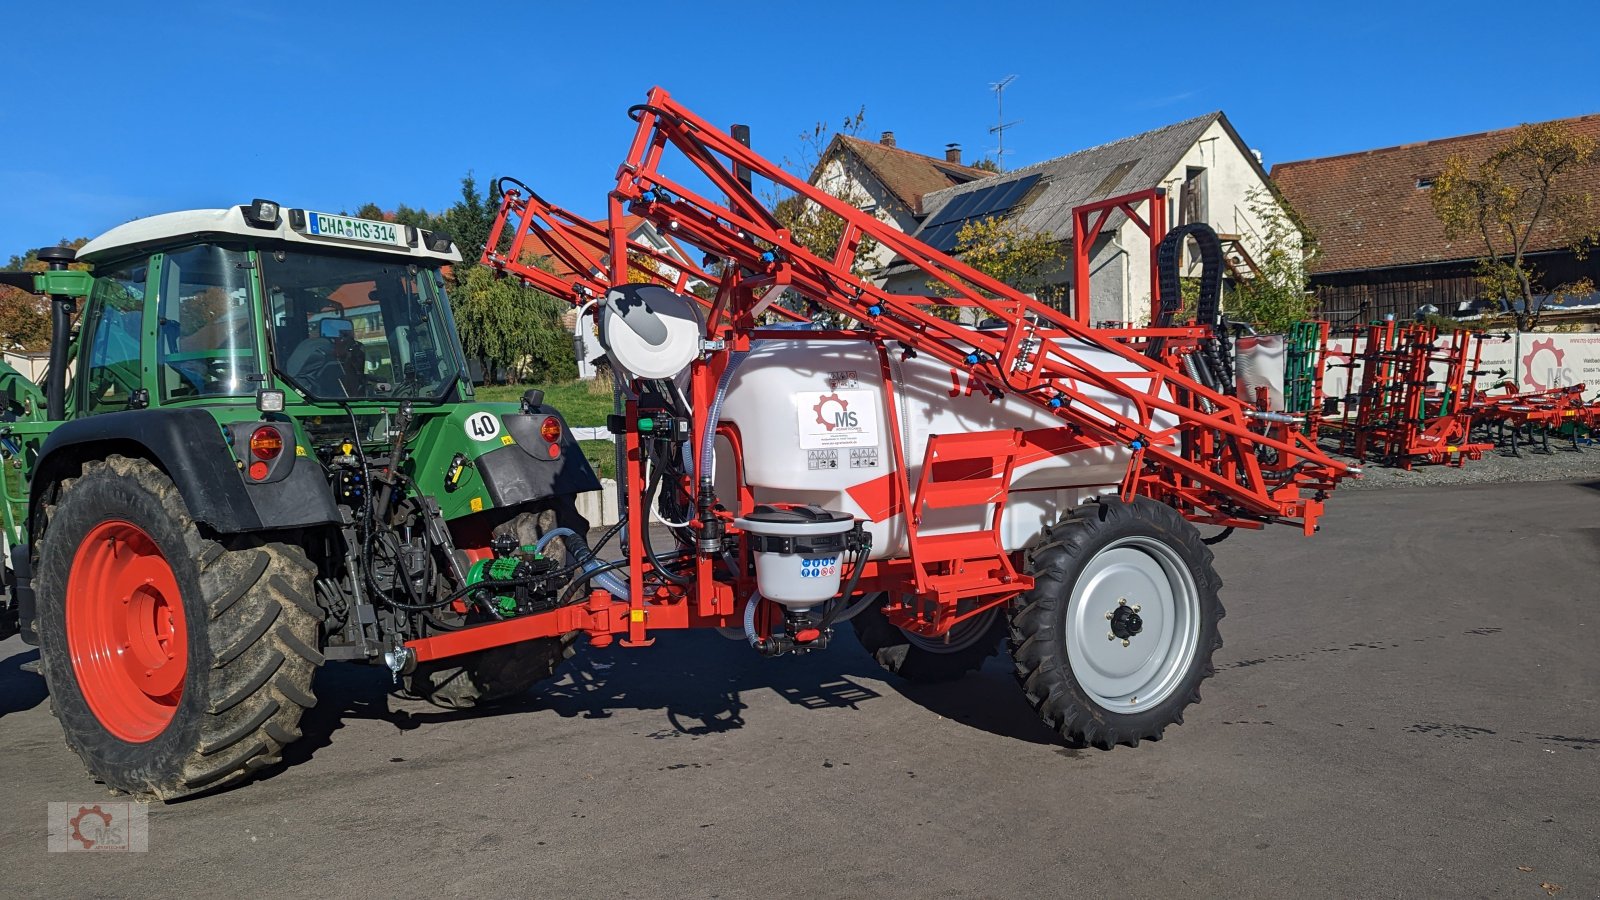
[109,373]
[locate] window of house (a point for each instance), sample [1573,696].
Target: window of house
[116,307]
[1191,196]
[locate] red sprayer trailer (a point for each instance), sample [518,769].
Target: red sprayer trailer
[938,482]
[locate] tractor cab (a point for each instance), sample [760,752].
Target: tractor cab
[260,303]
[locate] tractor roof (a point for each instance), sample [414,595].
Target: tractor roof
[292,226]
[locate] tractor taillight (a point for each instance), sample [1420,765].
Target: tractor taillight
[266,443]
[550,429]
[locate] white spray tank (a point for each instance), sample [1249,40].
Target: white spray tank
[812,422]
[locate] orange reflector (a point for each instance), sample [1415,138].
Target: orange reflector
[258,471]
[550,429]
[266,443]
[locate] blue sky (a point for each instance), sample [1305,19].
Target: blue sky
[113,113]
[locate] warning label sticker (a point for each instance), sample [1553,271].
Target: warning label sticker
[837,419]
[863,457]
[817,460]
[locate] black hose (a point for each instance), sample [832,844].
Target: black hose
[644,533]
[855,579]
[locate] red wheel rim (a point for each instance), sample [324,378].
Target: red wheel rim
[125,631]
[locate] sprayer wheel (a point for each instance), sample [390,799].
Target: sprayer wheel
[1112,642]
[929,660]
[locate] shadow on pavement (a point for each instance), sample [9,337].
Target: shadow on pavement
[698,680]
[20,690]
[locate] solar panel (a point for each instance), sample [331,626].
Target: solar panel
[942,232]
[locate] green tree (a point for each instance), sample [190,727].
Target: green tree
[24,317]
[510,328]
[1005,251]
[1278,296]
[469,220]
[1526,195]
[813,227]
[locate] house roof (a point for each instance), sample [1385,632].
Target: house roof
[907,175]
[1131,164]
[1368,211]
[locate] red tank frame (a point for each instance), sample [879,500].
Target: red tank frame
[1223,463]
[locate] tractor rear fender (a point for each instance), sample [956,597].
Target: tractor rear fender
[188,445]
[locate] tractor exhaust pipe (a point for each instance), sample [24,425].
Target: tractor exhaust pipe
[61,307]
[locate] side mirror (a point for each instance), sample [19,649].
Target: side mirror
[336,329]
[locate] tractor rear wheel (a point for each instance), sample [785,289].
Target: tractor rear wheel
[176,662]
[1112,642]
[929,660]
[500,673]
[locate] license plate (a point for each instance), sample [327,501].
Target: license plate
[351,229]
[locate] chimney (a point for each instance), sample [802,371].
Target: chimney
[952,153]
[887,139]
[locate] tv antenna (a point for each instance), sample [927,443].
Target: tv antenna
[1000,126]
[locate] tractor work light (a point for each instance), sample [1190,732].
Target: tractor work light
[269,401]
[437,241]
[266,443]
[262,213]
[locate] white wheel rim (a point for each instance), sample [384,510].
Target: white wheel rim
[962,635]
[1133,674]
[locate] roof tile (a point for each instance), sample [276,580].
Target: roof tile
[1368,210]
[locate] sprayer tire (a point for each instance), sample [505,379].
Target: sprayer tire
[925,660]
[1067,659]
[501,673]
[122,564]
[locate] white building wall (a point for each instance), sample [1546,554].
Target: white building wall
[847,179]
[1230,182]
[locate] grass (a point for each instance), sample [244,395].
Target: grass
[602,456]
[582,403]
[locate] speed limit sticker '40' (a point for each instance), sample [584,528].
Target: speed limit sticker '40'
[482,426]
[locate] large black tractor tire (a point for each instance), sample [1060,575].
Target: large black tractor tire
[1112,642]
[500,673]
[930,660]
[176,662]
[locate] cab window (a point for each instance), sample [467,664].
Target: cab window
[206,336]
[116,308]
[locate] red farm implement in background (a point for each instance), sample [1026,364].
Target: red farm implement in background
[1513,418]
[936,482]
[1414,401]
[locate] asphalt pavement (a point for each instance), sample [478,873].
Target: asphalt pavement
[1406,705]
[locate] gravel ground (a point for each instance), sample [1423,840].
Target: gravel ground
[1497,466]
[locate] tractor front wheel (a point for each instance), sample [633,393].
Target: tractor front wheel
[175,662]
[1112,642]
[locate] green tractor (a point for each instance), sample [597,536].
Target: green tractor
[258,450]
